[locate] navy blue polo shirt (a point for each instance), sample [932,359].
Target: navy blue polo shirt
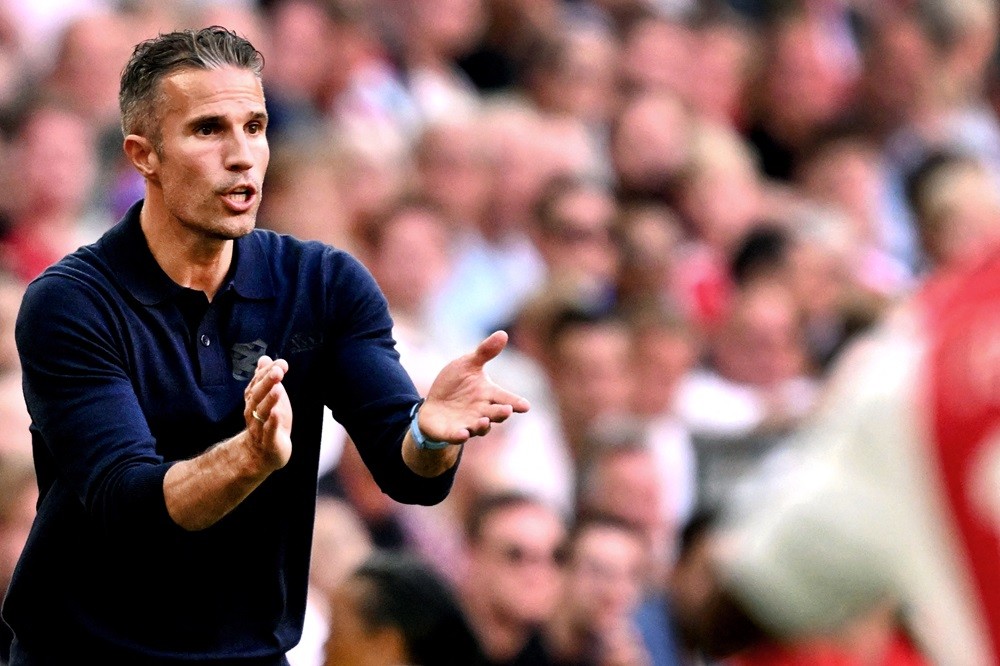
[126,372]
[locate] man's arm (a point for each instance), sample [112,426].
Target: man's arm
[201,491]
[462,403]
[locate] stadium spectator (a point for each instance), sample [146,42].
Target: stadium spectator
[510,583]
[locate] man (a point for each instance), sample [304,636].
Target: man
[396,609]
[162,368]
[510,584]
[602,586]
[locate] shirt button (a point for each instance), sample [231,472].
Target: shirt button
[205,340]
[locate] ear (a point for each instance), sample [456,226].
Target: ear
[142,155]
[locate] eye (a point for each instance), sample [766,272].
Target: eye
[255,127]
[204,130]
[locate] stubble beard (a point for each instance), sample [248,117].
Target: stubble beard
[228,227]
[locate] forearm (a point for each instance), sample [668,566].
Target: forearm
[202,490]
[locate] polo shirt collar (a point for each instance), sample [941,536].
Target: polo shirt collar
[142,276]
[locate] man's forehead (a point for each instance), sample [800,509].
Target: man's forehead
[192,87]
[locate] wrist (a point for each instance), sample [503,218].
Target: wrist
[423,442]
[251,459]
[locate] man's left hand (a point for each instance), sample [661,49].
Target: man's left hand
[463,401]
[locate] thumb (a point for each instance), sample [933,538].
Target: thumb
[489,348]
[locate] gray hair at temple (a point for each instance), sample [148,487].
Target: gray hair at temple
[155,59]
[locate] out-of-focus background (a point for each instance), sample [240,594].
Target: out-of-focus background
[682,211]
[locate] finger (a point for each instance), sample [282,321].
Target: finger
[498,413]
[266,404]
[503,397]
[265,383]
[481,427]
[489,348]
[263,364]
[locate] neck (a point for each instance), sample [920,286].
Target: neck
[189,258]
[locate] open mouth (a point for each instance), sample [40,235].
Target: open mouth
[240,197]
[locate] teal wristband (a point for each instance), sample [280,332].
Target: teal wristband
[422,441]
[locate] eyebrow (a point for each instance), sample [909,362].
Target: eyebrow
[215,119]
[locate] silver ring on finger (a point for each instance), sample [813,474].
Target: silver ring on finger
[257,416]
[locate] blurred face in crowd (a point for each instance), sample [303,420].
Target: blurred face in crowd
[722,194]
[963,213]
[298,174]
[454,171]
[806,83]
[55,163]
[656,56]
[626,484]
[450,27]
[604,577]
[577,243]
[208,165]
[848,175]
[517,169]
[88,66]
[301,29]
[901,68]
[762,343]
[721,51]
[661,357]
[590,372]
[513,564]
[651,142]
[412,259]
[585,81]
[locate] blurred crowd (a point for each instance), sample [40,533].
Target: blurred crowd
[682,211]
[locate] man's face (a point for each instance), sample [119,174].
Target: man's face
[515,562]
[213,150]
[604,578]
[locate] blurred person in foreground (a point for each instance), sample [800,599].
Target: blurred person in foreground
[895,497]
[162,369]
[394,609]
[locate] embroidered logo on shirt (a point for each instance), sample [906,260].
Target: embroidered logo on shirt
[245,357]
[300,342]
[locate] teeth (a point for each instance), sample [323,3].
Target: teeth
[242,195]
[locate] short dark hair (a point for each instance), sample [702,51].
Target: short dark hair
[403,592]
[588,521]
[155,59]
[487,505]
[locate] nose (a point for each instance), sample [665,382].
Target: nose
[239,155]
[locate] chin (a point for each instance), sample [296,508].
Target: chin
[231,228]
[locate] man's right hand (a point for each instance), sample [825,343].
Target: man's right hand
[268,414]
[201,491]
